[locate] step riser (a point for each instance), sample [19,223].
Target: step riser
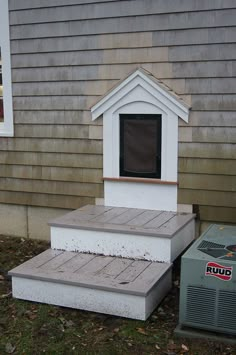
[182,240]
[95,300]
[114,244]
[124,245]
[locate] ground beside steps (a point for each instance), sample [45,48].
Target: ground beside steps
[113,285]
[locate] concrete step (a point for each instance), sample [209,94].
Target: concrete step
[112,285]
[127,232]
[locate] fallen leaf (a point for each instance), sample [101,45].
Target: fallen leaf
[141,331]
[5,295]
[184,348]
[171,345]
[31,315]
[116,330]
[157,347]
[9,348]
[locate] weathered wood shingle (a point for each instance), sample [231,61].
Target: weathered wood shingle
[66,54]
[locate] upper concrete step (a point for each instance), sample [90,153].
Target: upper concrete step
[129,220]
[127,232]
[113,285]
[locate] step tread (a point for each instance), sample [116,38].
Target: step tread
[124,220]
[114,274]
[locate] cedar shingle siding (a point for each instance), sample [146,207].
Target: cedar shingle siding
[67,53]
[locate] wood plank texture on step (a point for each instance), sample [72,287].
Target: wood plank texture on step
[75,263]
[119,220]
[118,275]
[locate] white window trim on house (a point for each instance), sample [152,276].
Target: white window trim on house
[6,127]
[140,93]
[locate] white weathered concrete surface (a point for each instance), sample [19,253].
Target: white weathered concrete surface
[114,244]
[159,248]
[80,298]
[95,300]
[182,239]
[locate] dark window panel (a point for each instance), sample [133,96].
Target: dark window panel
[140,146]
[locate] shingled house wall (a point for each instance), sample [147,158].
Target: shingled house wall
[65,54]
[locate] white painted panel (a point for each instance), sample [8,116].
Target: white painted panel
[114,244]
[140,195]
[182,240]
[171,146]
[123,305]
[84,298]
[164,286]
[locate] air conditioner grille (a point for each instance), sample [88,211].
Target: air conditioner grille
[205,245]
[201,305]
[227,309]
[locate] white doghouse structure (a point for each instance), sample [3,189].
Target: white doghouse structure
[117,258]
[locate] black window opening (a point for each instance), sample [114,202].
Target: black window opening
[140,146]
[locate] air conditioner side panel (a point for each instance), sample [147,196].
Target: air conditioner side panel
[207,302]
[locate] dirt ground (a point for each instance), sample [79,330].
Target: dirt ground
[30,328]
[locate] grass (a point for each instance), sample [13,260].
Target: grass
[30,328]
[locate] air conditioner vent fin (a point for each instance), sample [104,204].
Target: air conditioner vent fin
[200,305]
[227,310]
[210,245]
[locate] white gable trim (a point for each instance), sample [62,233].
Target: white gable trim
[175,104]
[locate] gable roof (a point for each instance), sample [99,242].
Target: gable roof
[157,88]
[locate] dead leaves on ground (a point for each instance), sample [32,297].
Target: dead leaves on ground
[142,331]
[6,295]
[174,349]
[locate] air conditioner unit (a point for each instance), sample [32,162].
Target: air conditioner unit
[208,282]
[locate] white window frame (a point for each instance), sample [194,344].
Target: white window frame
[6,127]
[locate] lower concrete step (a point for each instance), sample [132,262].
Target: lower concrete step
[112,285]
[127,232]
